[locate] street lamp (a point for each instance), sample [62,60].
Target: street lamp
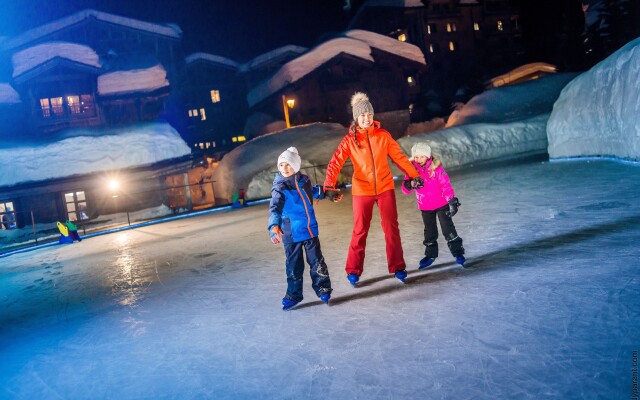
[286,105]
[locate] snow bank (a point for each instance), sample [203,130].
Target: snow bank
[460,146]
[598,113]
[257,158]
[140,80]
[125,147]
[31,57]
[512,103]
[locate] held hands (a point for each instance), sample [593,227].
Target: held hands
[415,183]
[275,234]
[453,207]
[332,194]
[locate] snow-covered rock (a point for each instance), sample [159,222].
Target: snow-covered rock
[598,113]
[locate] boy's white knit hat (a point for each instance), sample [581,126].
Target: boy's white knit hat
[420,149]
[291,157]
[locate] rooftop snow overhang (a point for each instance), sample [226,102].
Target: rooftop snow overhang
[169,30]
[57,62]
[147,80]
[211,59]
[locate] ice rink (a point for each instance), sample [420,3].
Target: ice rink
[190,309]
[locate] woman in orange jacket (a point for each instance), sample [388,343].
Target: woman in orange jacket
[368,146]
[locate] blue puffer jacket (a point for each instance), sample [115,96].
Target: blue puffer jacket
[291,208]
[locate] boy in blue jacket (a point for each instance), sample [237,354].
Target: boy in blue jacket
[292,221]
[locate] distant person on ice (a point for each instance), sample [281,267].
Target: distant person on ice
[435,198]
[292,221]
[368,146]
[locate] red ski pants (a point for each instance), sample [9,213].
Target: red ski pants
[362,213]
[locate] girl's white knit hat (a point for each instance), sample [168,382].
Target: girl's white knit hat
[420,149]
[291,157]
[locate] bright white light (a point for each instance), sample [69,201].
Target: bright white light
[114,184]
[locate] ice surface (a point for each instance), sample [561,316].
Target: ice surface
[190,309]
[598,113]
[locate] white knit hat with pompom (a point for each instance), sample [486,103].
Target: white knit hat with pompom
[360,104]
[291,157]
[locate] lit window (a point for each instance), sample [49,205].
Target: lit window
[452,47]
[499,25]
[449,27]
[431,48]
[190,113]
[74,104]
[45,107]
[76,206]
[411,81]
[411,108]
[453,27]
[234,139]
[208,144]
[193,112]
[241,138]
[7,215]
[215,96]
[56,105]
[213,144]
[476,26]
[202,146]
[429,29]
[402,38]
[203,116]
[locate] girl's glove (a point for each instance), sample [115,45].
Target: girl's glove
[415,183]
[332,194]
[275,234]
[453,207]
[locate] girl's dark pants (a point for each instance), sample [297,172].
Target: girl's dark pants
[448,230]
[318,270]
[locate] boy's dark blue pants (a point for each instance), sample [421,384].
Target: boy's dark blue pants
[318,270]
[448,230]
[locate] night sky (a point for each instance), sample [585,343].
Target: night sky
[243,29]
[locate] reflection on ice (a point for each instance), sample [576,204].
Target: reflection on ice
[128,276]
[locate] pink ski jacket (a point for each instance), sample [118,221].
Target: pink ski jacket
[437,190]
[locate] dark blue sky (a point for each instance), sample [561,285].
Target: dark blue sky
[239,29]
[243,29]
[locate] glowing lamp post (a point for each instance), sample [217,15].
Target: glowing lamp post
[286,105]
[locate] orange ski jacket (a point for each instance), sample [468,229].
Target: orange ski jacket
[368,151]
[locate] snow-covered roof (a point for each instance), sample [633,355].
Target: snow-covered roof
[140,80]
[296,69]
[8,95]
[520,72]
[394,3]
[93,150]
[272,55]
[169,30]
[357,43]
[31,57]
[390,45]
[211,58]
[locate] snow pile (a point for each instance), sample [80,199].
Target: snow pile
[8,95]
[390,45]
[296,69]
[257,158]
[140,80]
[130,146]
[598,113]
[512,103]
[31,57]
[211,58]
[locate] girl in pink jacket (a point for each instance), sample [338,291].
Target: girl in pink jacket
[435,198]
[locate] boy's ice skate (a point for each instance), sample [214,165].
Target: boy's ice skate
[288,304]
[325,297]
[461,260]
[353,279]
[401,275]
[426,262]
